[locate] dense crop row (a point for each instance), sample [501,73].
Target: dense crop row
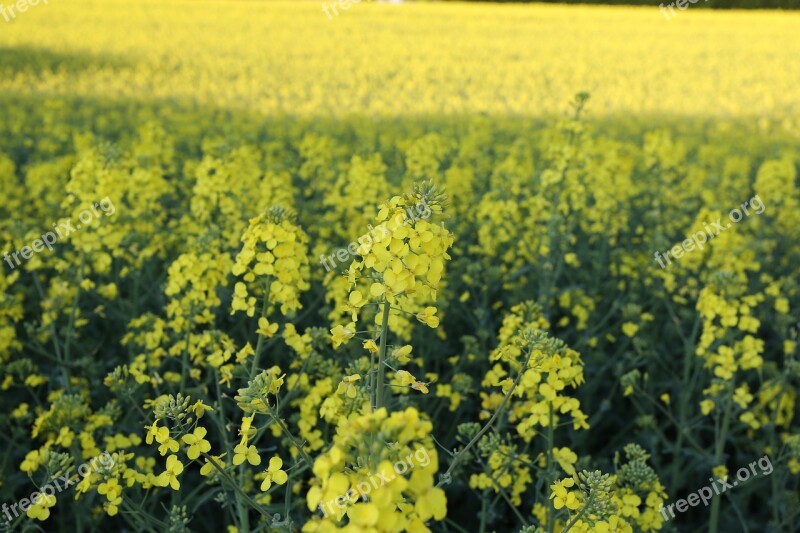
[162,298]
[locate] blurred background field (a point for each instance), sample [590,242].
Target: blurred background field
[289,58]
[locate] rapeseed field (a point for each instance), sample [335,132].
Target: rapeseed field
[451,267]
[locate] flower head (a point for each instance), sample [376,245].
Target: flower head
[197,444]
[274,473]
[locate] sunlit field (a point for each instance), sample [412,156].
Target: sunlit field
[401,60]
[413,267]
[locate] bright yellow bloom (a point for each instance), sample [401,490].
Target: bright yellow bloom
[244,430]
[170,475]
[370,346]
[348,386]
[428,317]
[562,497]
[208,466]
[197,444]
[40,510]
[402,353]
[243,451]
[405,378]
[199,408]
[265,329]
[420,386]
[274,473]
[341,334]
[630,329]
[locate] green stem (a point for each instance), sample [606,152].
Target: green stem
[219,417]
[483,512]
[577,516]
[236,487]
[774,444]
[719,447]
[71,325]
[503,492]
[379,387]
[702,451]
[306,457]
[452,524]
[185,359]
[260,342]
[138,512]
[551,524]
[689,361]
[460,455]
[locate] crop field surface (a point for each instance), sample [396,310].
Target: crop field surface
[427,267]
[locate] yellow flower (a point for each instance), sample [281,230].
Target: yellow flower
[562,497]
[199,408]
[742,396]
[630,505]
[112,506]
[566,458]
[432,503]
[265,329]
[376,290]
[348,386]
[243,451]
[197,444]
[405,378]
[34,380]
[168,444]
[111,489]
[208,467]
[20,411]
[170,475]
[370,345]
[40,510]
[152,432]
[427,317]
[420,386]
[630,329]
[244,431]
[244,353]
[31,462]
[364,515]
[402,354]
[113,493]
[65,436]
[355,302]
[240,300]
[341,334]
[706,406]
[273,260]
[274,473]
